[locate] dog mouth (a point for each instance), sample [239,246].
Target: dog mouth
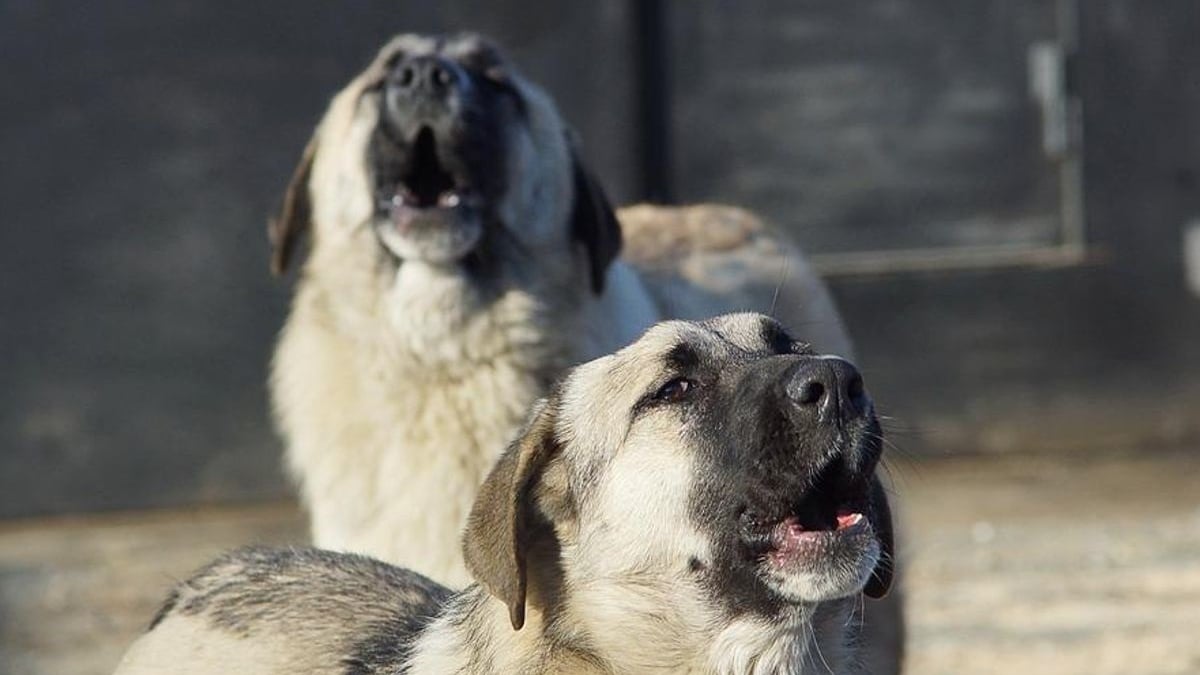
[429,209]
[427,183]
[801,532]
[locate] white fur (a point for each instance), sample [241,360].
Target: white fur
[187,645]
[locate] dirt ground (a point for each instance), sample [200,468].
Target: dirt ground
[1062,564]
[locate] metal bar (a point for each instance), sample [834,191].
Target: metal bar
[652,71]
[873,263]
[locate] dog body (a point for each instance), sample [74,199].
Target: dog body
[463,257]
[392,425]
[701,501]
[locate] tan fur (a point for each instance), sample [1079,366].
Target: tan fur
[396,389]
[659,237]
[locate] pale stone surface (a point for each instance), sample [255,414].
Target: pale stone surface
[75,592]
[1087,565]
[1056,565]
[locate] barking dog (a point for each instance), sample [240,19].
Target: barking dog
[701,501]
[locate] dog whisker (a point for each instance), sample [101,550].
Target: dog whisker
[785,267]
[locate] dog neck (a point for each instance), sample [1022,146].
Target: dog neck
[474,635]
[667,634]
[440,324]
[809,639]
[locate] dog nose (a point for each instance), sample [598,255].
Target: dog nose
[423,77]
[828,388]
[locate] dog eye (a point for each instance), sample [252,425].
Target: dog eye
[497,74]
[676,390]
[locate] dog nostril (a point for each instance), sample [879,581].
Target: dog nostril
[408,74]
[810,393]
[854,388]
[441,77]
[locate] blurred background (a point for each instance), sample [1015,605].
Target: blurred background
[1003,194]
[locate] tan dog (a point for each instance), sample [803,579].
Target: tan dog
[702,501]
[462,258]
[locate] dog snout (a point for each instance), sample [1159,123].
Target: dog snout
[423,79]
[826,389]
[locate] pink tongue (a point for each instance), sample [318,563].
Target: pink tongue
[845,520]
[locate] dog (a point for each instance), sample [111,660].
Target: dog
[703,500]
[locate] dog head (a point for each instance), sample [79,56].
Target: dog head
[441,154]
[716,468]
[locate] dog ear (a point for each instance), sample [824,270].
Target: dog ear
[498,529]
[295,216]
[881,520]
[594,222]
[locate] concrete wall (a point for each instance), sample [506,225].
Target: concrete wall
[144,144]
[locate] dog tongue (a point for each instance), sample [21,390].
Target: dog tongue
[845,519]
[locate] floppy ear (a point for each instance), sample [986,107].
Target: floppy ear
[498,529]
[881,520]
[296,214]
[594,223]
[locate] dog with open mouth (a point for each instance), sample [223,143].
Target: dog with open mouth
[462,257]
[703,500]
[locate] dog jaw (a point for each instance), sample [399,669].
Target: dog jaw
[808,566]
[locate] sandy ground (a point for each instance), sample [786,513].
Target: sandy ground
[1066,564]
